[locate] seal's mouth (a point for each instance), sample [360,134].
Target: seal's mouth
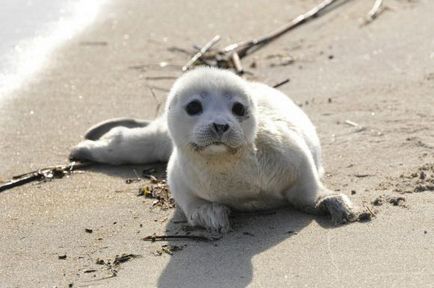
[214,148]
[198,147]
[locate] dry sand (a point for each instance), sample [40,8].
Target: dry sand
[380,76]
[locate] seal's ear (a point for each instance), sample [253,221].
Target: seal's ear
[252,100]
[172,101]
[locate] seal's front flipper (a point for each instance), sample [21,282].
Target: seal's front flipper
[339,207]
[97,131]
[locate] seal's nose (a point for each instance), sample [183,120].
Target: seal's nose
[220,128]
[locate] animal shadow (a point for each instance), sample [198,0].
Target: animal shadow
[225,261]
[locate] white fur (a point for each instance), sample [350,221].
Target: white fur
[269,158]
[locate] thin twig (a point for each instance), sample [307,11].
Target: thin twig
[159,88]
[351,123]
[370,211]
[178,49]
[202,51]
[281,83]
[154,238]
[363,175]
[375,11]
[359,128]
[237,63]
[157,110]
[160,77]
[42,174]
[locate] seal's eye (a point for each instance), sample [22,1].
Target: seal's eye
[194,108]
[238,109]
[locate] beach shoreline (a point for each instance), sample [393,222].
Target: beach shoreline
[374,77]
[28,45]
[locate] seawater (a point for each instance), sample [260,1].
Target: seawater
[30,30]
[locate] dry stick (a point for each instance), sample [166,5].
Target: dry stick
[197,48]
[18,182]
[237,63]
[243,48]
[158,102]
[57,168]
[178,49]
[154,238]
[158,88]
[351,123]
[370,211]
[281,83]
[375,11]
[42,174]
[160,77]
[202,51]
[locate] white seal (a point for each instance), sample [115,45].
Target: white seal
[231,144]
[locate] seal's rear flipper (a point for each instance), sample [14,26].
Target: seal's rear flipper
[95,132]
[125,141]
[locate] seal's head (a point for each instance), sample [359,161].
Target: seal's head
[210,111]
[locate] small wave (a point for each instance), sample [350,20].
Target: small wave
[30,55]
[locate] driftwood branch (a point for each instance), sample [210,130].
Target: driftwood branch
[231,55]
[46,173]
[245,48]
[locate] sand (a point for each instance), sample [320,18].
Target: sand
[379,76]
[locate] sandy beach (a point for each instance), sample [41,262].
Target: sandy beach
[367,88]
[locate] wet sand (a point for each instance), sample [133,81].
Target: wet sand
[379,76]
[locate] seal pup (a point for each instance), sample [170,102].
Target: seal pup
[230,144]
